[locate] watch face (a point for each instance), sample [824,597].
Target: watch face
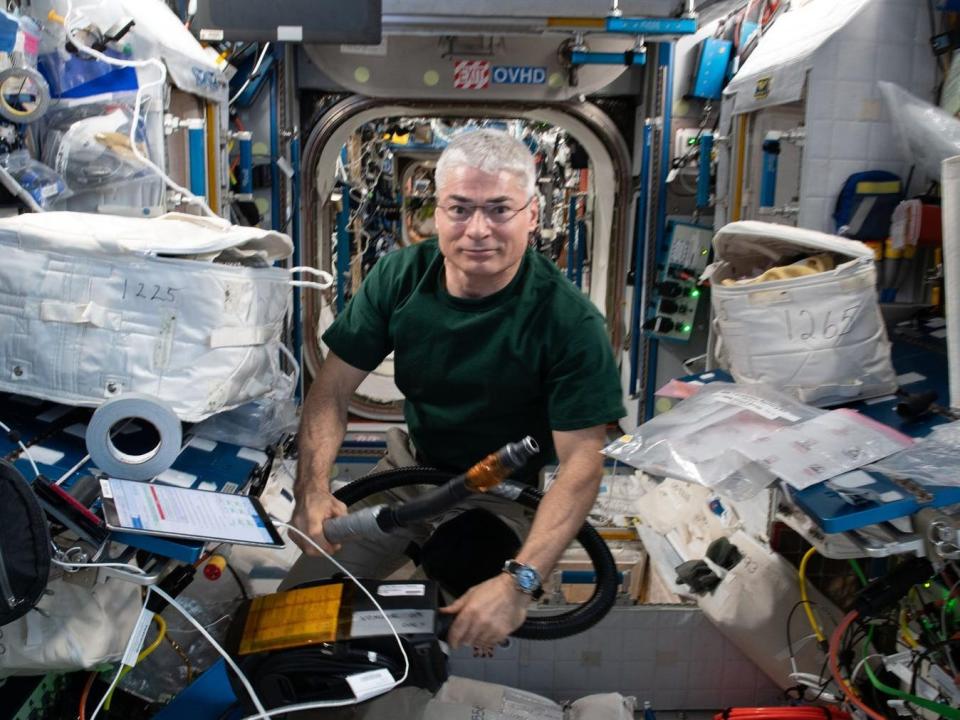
[527,579]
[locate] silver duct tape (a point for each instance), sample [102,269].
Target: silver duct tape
[144,409]
[23,75]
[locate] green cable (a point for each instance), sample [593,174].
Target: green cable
[941,710]
[856,569]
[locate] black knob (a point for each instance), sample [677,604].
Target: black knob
[659,324]
[669,289]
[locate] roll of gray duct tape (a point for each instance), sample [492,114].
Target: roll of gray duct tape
[14,83]
[108,419]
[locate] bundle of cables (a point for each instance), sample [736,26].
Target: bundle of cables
[881,619]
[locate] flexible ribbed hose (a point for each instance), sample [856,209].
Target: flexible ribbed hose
[568,623]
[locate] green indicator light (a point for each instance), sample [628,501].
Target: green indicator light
[927,585]
[694,293]
[704,251]
[687,328]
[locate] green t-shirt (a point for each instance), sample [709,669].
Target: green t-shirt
[479,373]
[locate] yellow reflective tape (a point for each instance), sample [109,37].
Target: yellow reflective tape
[878,188]
[291,619]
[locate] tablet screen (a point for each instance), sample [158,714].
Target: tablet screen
[157,509]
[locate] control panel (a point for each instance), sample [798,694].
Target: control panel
[673,301]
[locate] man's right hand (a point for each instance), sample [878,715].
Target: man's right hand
[313,508]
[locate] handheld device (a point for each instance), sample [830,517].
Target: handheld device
[155,509]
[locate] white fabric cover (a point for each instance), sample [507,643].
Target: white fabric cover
[462,698]
[820,337]
[158,33]
[81,627]
[781,61]
[92,306]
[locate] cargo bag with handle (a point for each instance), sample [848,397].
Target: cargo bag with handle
[798,310]
[186,309]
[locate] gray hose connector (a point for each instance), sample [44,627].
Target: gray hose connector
[360,523]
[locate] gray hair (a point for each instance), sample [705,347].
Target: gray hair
[491,151]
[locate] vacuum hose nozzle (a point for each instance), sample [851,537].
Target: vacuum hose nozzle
[496,467]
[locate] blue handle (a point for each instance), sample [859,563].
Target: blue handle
[245,169]
[703,176]
[198,162]
[768,178]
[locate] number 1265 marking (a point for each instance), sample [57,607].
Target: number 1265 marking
[807,325]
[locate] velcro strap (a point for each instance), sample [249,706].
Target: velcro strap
[241,336]
[80,313]
[813,395]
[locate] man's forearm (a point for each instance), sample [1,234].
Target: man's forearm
[561,514]
[322,427]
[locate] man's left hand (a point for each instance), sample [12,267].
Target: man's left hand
[487,613]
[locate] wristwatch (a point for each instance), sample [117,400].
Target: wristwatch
[527,578]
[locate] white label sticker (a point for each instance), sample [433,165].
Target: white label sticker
[369,623]
[211,34]
[137,638]
[909,377]
[754,405]
[854,479]
[408,590]
[177,477]
[370,684]
[105,488]
[203,444]
[290,33]
[257,456]
[46,456]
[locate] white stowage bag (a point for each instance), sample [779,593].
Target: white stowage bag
[465,699]
[751,607]
[79,627]
[187,309]
[819,336]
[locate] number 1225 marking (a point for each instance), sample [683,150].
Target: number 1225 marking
[151,293]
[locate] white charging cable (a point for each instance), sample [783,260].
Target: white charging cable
[262,713]
[252,75]
[69,17]
[73,567]
[337,703]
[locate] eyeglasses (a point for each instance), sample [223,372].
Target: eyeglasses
[495,213]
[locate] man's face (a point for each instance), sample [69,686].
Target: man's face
[480,246]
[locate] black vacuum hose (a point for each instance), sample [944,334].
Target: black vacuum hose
[565,624]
